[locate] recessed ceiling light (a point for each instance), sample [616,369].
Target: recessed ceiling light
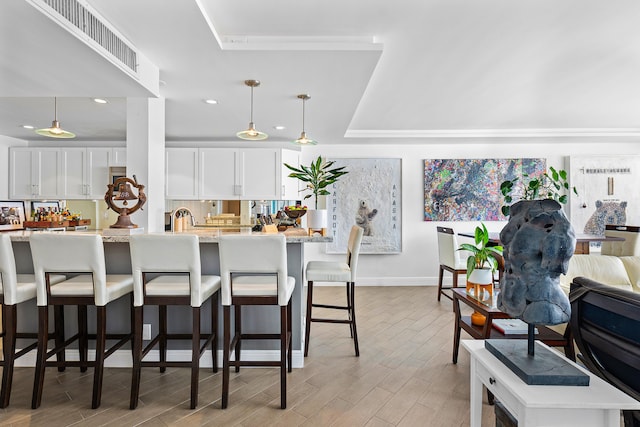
[100,101]
[28,127]
[211,101]
[279,127]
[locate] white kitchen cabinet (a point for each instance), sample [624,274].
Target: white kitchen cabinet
[85,172]
[34,173]
[246,174]
[118,156]
[290,186]
[181,173]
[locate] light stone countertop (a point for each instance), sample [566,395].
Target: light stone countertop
[205,236]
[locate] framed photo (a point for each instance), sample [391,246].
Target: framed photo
[51,205]
[11,215]
[369,196]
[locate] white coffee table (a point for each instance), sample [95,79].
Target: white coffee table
[596,405]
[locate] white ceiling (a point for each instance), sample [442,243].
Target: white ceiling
[376,70]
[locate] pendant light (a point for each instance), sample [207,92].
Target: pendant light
[303,140]
[252,134]
[55,131]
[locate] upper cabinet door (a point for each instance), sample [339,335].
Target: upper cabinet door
[290,186]
[219,177]
[181,173]
[74,166]
[97,172]
[118,157]
[21,173]
[48,169]
[260,170]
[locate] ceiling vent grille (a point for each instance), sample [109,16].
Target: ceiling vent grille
[90,24]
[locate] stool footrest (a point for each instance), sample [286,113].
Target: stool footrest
[313,319]
[336,307]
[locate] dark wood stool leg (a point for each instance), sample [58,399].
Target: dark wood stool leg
[162,332]
[283,357]
[349,308]
[352,304]
[440,277]
[9,319]
[214,330]
[307,327]
[226,348]
[83,339]
[101,331]
[58,316]
[41,358]
[237,311]
[289,335]
[195,355]
[136,372]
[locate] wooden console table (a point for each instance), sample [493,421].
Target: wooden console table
[595,405]
[546,335]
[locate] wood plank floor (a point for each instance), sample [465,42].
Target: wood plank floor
[403,377]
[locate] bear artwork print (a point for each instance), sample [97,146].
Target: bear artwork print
[364,216]
[607,212]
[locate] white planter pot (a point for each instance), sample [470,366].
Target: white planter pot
[316,219]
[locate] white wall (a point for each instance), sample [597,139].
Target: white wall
[417,264]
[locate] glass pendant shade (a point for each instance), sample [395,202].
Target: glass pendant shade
[251,133]
[55,131]
[303,140]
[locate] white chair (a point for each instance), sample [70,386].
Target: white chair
[14,289]
[253,270]
[166,271]
[330,271]
[449,258]
[629,247]
[80,255]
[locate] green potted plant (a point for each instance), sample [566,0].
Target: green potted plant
[551,185]
[482,263]
[317,177]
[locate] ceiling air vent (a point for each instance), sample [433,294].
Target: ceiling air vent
[91,25]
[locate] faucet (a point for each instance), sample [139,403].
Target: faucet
[182,211]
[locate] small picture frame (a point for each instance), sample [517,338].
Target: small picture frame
[12,215]
[54,205]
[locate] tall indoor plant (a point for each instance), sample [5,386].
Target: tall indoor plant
[316,178]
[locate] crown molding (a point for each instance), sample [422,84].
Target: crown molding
[496,133]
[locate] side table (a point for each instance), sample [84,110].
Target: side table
[490,311]
[595,405]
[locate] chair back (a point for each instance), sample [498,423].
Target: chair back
[8,277]
[253,254]
[631,244]
[605,322]
[69,253]
[447,247]
[353,249]
[165,253]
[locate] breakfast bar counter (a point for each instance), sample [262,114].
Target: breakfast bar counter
[118,261]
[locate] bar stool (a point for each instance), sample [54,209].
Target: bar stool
[253,270]
[82,256]
[14,289]
[329,271]
[175,261]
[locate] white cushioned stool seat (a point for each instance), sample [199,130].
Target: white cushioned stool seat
[331,271]
[167,271]
[253,271]
[14,289]
[90,285]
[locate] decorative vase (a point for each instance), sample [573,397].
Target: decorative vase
[480,287]
[316,219]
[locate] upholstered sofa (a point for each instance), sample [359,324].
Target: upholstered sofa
[619,271]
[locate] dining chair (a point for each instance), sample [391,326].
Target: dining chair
[629,247]
[449,258]
[166,271]
[80,256]
[14,290]
[253,271]
[335,271]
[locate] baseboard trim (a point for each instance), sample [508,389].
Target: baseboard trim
[122,358]
[388,281]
